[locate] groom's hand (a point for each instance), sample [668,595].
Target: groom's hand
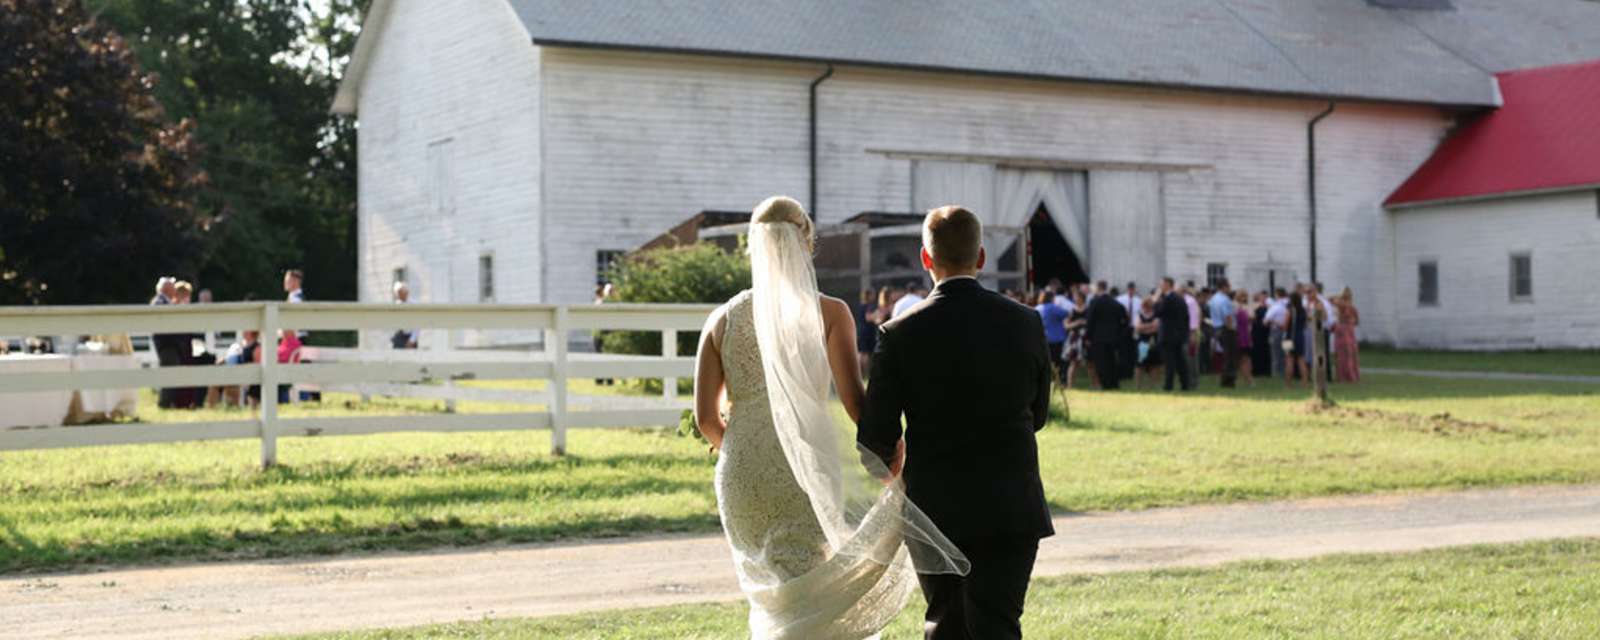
[897,462]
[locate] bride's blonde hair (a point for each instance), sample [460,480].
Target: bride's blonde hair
[786,209]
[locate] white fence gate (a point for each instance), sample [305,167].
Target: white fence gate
[389,372]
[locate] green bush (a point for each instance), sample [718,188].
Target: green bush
[701,272]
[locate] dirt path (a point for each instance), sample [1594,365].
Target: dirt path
[246,599]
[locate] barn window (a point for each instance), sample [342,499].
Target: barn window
[486,277]
[1521,277]
[441,176]
[604,261]
[1216,272]
[1428,284]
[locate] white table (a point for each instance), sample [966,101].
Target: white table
[106,401]
[34,408]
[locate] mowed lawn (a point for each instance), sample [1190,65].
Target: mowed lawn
[1547,590]
[1126,450]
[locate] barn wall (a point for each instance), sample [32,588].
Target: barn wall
[1473,244]
[464,82]
[637,142]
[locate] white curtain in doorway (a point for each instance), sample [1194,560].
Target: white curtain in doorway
[1019,192]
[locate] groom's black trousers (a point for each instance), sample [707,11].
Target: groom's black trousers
[985,604]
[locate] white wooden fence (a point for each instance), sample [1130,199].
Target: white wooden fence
[369,371]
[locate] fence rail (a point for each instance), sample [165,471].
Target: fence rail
[384,372]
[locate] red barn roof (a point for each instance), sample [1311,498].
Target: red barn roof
[1546,137]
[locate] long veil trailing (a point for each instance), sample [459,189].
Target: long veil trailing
[874,532]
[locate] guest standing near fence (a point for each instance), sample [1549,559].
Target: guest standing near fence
[1346,349]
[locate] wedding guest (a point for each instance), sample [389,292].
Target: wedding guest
[1128,354]
[166,345]
[1344,337]
[1221,319]
[1260,343]
[915,293]
[867,321]
[1296,339]
[1106,329]
[1330,319]
[1074,352]
[407,338]
[1276,319]
[292,280]
[1055,329]
[1242,321]
[602,294]
[1195,346]
[1147,327]
[1172,311]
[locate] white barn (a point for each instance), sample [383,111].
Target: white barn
[509,148]
[1497,236]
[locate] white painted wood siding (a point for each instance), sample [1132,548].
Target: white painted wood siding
[464,80]
[1472,244]
[636,142]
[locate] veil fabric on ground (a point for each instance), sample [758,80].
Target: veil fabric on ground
[822,548]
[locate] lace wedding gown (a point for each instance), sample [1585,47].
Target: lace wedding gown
[797,587]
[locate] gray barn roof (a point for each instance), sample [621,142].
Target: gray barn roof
[1350,49]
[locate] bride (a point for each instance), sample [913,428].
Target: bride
[824,540]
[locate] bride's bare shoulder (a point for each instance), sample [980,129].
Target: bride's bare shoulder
[833,308]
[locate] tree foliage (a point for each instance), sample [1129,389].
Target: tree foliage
[701,272]
[257,77]
[95,180]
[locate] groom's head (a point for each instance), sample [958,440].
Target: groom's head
[952,242]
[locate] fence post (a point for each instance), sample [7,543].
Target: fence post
[669,349]
[556,345]
[268,348]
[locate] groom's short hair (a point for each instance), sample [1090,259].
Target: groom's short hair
[953,237]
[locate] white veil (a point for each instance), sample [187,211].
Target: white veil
[864,519]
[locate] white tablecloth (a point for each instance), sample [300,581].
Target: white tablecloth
[33,408]
[105,401]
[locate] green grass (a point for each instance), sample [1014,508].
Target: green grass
[1535,590]
[206,500]
[1570,362]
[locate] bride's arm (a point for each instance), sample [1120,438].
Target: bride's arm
[841,328]
[709,381]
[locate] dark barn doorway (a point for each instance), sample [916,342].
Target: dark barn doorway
[1053,258]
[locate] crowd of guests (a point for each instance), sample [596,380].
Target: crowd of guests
[1179,332]
[1171,332]
[190,349]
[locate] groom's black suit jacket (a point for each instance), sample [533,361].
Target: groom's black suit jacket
[970,371]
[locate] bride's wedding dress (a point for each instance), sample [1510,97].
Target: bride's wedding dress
[780,550]
[823,549]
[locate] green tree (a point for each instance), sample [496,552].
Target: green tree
[257,78]
[701,272]
[96,182]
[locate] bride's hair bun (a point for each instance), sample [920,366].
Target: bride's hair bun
[785,209]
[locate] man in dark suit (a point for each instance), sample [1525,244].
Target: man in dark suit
[1173,336]
[1106,328]
[970,371]
[168,346]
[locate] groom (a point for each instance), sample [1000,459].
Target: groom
[969,370]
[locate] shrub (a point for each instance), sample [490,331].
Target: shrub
[701,272]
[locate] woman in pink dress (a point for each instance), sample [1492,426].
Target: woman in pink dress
[1346,354]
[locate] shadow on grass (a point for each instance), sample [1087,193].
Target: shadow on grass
[411,534]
